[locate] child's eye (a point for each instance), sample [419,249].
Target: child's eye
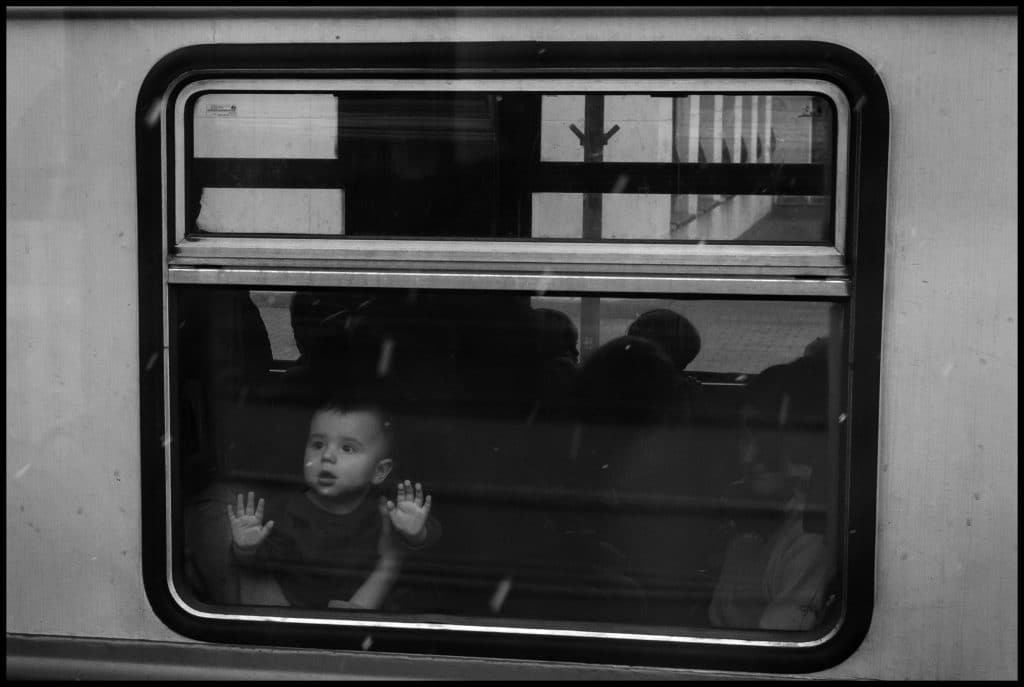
[348,448]
[316,444]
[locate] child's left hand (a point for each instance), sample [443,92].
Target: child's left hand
[409,511]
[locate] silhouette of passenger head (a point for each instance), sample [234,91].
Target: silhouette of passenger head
[674,333]
[626,381]
[318,324]
[557,336]
[817,349]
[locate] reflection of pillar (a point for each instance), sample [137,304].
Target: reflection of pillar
[593,151]
[820,125]
[755,102]
[737,127]
[693,147]
[767,128]
[809,109]
[680,153]
[821,143]
[716,136]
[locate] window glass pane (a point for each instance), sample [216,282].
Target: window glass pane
[559,113]
[631,463]
[731,167]
[739,219]
[271,210]
[268,125]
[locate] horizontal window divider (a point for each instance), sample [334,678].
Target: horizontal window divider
[546,177]
[508,252]
[681,178]
[268,173]
[717,270]
[539,283]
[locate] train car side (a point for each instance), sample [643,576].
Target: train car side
[946,593]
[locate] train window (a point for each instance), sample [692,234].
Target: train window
[606,322]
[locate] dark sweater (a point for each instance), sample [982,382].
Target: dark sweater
[317,556]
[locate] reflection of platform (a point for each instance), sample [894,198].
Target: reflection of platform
[736,336]
[726,221]
[760,219]
[797,222]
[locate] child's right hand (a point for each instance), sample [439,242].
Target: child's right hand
[409,511]
[247,528]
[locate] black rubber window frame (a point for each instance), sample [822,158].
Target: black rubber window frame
[864,250]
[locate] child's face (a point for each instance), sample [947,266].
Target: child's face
[345,453]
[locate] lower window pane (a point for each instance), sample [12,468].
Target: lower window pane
[626,463]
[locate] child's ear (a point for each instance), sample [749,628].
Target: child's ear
[382,470]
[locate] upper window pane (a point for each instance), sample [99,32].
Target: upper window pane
[272,125]
[677,167]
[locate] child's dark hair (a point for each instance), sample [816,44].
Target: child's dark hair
[351,400]
[371,398]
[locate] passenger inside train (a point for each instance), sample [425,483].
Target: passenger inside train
[679,339]
[342,539]
[774,571]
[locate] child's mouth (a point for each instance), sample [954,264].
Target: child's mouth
[325,477]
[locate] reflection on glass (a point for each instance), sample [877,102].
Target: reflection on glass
[745,167]
[265,125]
[653,217]
[707,127]
[647,463]
[271,211]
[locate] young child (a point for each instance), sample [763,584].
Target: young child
[338,543]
